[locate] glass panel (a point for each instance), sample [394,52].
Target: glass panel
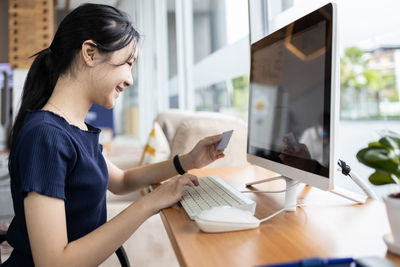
[217,23]
[129,115]
[368,83]
[209,27]
[212,98]
[230,97]
[370,75]
[240,100]
[172,54]
[171,22]
[237,20]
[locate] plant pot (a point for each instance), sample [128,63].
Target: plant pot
[392,203]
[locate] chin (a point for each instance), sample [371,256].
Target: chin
[108,105]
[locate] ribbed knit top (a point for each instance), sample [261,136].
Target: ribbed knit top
[56,159]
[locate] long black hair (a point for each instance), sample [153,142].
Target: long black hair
[106,26]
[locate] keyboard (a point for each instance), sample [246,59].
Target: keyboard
[212,192]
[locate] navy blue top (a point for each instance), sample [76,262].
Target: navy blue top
[56,159]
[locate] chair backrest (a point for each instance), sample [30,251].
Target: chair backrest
[192,130]
[184,128]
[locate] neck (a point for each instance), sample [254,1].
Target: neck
[70,101]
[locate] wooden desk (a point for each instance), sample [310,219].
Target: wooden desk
[328,226]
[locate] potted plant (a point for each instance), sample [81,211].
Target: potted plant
[384,156]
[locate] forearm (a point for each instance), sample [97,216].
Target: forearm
[155,173]
[97,246]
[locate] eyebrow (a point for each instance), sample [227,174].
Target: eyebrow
[131,55]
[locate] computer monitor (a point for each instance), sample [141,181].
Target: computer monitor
[293,108]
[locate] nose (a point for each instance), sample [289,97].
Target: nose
[129,80]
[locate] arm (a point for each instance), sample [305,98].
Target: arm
[121,182]
[47,230]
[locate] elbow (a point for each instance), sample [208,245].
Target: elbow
[119,186]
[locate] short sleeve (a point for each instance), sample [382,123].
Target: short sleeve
[44,156]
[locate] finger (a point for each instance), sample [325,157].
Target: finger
[220,155]
[194,179]
[218,152]
[215,153]
[185,180]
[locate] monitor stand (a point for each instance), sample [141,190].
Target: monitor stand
[291,196]
[290,193]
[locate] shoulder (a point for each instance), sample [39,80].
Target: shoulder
[41,126]
[41,131]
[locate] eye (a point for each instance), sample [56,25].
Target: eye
[129,63]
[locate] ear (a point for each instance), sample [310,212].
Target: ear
[89,52]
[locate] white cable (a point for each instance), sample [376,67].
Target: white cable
[277,191]
[279,211]
[346,170]
[364,187]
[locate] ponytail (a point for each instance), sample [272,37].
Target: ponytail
[38,87]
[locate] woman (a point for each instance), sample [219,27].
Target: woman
[59,177]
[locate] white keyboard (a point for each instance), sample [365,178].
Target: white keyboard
[212,192]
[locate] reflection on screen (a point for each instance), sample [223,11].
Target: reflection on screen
[290,99]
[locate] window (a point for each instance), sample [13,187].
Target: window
[172,53]
[221,58]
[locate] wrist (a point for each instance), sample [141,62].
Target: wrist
[149,205]
[186,162]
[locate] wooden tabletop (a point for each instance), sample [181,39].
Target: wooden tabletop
[327,226]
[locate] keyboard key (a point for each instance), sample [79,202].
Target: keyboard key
[211,192]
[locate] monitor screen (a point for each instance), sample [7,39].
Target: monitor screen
[290,96]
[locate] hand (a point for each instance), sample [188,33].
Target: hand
[203,153]
[170,192]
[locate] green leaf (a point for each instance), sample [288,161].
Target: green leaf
[375,144]
[395,136]
[380,178]
[389,142]
[379,158]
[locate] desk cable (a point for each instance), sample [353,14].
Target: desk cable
[276,191]
[279,211]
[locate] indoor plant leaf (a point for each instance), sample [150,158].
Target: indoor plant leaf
[375,144]
[380,178]
[379,158]
[390,143]
[395,136]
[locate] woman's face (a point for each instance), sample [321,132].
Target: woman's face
[112,76]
